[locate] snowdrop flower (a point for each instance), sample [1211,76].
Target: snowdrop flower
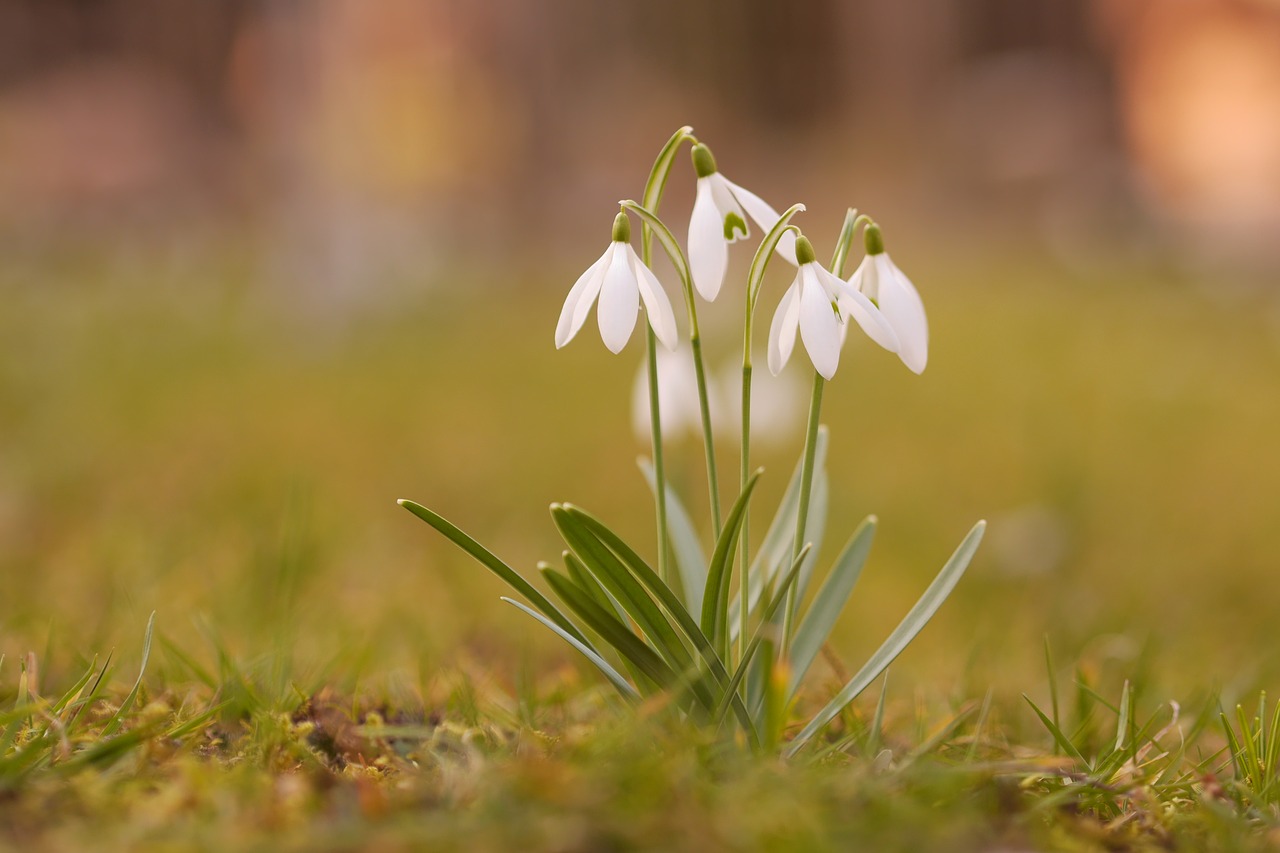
[719,218]
[880,280]
[621,281]
[818,304]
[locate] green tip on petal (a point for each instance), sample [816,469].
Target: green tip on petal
[873,240]
[704,164]
[804,251]
[734,223]
[621,228]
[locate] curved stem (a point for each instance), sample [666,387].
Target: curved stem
[659,469]
[806,489]
[659,229]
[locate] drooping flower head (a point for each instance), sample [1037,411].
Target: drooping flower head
[880,280]
[818,304]
[622,282]
[719,218]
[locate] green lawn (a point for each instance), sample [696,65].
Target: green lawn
[329,673]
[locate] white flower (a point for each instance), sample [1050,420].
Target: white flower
[719,218]
[622,282]
[880,280]
[678,405]
[818,304]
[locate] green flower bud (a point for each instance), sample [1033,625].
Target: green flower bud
[621,228]
[704,164]
[804,251]
[873,240]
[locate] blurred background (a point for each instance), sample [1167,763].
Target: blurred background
[266,267]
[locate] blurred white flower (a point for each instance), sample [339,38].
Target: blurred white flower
[678,406]
[621,281]
[719,218]
[880,280]
[818,304]
[778,403]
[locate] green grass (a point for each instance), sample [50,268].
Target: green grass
[326,673]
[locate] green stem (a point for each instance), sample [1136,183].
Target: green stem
[659,469]
[806,489]
[704,406]
[745,581]
[653,190]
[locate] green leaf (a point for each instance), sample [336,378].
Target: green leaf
[118,718]
[491,562]
[673,606]
[715,600]
[775,549]
[762,629]
[829,602]
[615,677]
[581,575]
[691,561]
[628,592]
[906,631]
[607,626]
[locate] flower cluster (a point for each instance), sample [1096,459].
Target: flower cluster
[818,305]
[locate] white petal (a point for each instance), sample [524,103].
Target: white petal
[766,217]
[860,308]
[864,279]
[902,307]
[819,325]
[577,305]
[656,303]
[619,302]
[708,251]
[722,195]
[782,331]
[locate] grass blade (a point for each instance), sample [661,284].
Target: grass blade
[906,631]
[1059,738]
[118,718]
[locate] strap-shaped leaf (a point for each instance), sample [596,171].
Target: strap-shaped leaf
[762,629]
[715,600]
[581,575]
[486,558]
[906,631]
[668,600]
[607,626]
[615,677]
[775,549]
[630,595]
[691,561]
[829,602]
